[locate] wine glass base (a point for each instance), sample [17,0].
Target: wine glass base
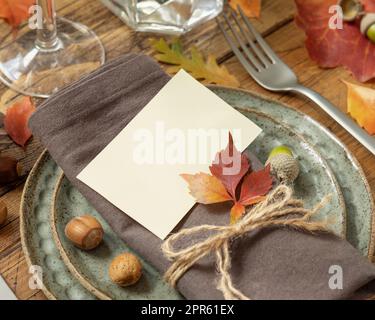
[34,71]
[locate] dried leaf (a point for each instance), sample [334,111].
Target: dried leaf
[16,120]
[230,167]
[14,12]
[207,70]
[236,212]
[221,187]
[250,7]
[205,188]
[255,186]
[361,106]
[333,47]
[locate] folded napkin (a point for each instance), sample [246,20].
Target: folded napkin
[80,120]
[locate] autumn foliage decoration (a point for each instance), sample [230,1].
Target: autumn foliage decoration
[14,12]
[333,47]
[16,120]
[231,179]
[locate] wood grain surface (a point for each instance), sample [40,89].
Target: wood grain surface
[276,24]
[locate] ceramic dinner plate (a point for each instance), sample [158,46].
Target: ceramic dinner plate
[90,267]
[354,186]
[36,233]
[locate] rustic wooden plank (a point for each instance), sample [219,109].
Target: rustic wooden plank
[15,271]
[9,232]
[327,82]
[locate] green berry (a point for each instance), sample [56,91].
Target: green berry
[280,150]
[371,33]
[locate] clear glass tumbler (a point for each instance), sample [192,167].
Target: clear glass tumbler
[165,16]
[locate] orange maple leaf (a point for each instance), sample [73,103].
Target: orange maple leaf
[205,188]
[14,12]
[250,7]
[16,120]
[361,106]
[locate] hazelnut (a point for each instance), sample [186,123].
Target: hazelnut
[10,170]
[125,269]
[3,213]
[85,232]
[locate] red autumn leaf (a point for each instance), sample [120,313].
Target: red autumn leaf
[14,12]
[255,186]
[369,5]
[16,121]
[230,167]
[333,47]
[221,186]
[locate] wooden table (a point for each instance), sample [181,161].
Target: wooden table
[279,28]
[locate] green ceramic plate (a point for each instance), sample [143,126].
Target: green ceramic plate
[90,267]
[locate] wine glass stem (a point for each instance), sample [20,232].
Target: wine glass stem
[47,34]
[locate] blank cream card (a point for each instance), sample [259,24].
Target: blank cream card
[179,131]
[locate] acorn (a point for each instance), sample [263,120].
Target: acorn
[351,9]
[283,164]
[85,232]
[125,269]
[10,170]
[3,213]
[368,26]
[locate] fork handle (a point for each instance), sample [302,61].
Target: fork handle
[343,119]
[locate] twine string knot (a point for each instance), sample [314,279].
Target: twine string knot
[278,209]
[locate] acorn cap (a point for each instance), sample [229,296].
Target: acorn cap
[351,9]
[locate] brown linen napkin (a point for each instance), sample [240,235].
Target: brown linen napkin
[79,121]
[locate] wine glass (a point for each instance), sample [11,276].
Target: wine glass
[40,62]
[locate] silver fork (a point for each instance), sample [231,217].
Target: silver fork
[266,68]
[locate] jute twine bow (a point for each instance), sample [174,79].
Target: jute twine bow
[279,209]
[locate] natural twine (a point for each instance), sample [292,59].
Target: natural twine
[279,209]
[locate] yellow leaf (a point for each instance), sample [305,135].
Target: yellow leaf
[205,188]
[250,7]
[207,71]
[236,212]
[361,106]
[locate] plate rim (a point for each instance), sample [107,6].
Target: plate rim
[86,283]
[25,247]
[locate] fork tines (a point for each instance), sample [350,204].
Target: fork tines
[255,54]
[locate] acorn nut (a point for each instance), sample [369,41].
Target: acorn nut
[283,165]
[10,170]
[85,232]
[351,9]
[368,26]
[125,269]
[3,213]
